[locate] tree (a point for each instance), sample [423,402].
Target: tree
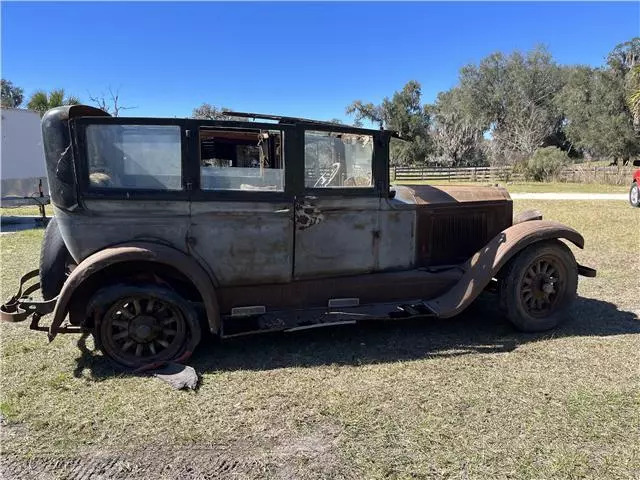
[405,114]
[12,96]
[625,56]
[597,117]
[110,104]
[458,138]
[634,96]
[42,101]
[512,98]
[209,112]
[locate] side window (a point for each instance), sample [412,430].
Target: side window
[241,159]
[338,160]
[134,156]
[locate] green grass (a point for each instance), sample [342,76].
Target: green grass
[533,187]
[30,210]
[461,398]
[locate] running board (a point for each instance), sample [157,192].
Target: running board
[295,320]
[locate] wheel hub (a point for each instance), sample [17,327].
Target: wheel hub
[539,287]
[143,328]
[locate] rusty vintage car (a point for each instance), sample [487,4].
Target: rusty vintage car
[166,227]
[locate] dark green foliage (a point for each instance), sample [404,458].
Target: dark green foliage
[405,114]
[511,97]
[42,101]
[507,107]
[624,56]
[545,164]
[597,116]
[11,95]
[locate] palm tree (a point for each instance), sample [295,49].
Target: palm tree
[42,101]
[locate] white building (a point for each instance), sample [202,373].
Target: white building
[22,165]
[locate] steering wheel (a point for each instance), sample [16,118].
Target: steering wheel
[323,181]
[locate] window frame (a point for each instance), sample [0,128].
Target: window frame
[78,128]
[377,162]
[288,156]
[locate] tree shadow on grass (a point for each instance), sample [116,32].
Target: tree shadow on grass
[479,330]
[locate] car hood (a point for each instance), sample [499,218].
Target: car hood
[449,194]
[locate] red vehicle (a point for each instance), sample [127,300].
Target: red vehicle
[634,192]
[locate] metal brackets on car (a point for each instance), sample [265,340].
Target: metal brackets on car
[21,306]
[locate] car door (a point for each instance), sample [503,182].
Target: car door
[337,212]
[132,183]
[241,210]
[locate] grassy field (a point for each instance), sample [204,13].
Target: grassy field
[463,398]
[29,210]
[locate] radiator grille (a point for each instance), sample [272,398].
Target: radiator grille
[457,237]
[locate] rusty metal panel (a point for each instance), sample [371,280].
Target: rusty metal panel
[397,236]
[492,256]
[244,242]
[452,222]
[450,194]
[341,236]
[137,251]
[367,288]
[109,222]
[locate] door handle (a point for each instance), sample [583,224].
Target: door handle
[283,210]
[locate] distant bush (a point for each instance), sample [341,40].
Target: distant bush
[545,164]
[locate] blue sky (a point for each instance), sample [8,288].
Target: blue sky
[307,60]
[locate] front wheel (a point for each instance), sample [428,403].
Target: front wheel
[142,325]
[634,195]
[539,285]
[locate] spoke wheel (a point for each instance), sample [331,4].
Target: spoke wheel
[538,286]
[541,286]
[140,329]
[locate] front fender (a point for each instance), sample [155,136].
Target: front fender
[139,251]
[486,263]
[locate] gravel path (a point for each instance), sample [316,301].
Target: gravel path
[569,196]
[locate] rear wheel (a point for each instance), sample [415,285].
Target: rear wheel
[141,325]
[539,285]
[634,195]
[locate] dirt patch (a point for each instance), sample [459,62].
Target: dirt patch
[289,458]
[302,455]
[183,463]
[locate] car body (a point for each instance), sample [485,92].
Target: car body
[634,191]
[277,224]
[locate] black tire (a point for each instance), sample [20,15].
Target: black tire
[634,195]
[139,325]
[539,285]
[55,261]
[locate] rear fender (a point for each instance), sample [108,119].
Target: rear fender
[486,263]
[139,251]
